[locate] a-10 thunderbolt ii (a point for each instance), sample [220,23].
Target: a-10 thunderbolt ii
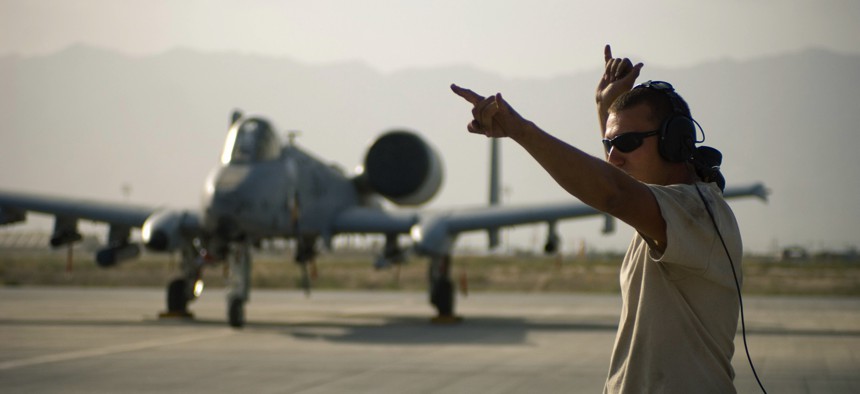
[264,189]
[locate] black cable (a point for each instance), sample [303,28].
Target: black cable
[737,285]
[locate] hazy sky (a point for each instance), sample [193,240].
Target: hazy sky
[534,39]
[509,37]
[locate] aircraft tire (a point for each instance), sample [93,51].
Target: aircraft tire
[176,298]
[443,297]
[236,313]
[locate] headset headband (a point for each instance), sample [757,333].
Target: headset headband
[669,90]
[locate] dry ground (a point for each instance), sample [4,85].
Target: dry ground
[476,273]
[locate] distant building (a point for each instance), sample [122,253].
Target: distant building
[794,253]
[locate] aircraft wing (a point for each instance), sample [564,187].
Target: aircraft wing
[503,216]
[368,220]
[752,190]
[14,205]
[437,232]
[371,220]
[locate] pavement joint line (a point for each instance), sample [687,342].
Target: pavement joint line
[109,350]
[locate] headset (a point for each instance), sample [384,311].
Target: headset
[677,137]
[677,133]
[678,144]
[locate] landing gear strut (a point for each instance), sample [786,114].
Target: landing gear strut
[442,289]
[240,284]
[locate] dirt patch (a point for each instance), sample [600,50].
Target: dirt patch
[479,273]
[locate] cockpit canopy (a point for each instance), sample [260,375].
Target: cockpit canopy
[250,141]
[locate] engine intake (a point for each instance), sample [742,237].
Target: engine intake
[165,231]
[403,168]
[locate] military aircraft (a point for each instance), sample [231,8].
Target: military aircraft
[264,189]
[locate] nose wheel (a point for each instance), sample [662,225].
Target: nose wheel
[442,297]
[177,300]
[236,312]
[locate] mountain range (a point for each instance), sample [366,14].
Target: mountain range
[88,122]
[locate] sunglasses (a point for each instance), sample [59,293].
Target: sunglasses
[628,142]
[659,85]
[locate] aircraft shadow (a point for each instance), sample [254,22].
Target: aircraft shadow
[419,331]
[395,331]
[406,331]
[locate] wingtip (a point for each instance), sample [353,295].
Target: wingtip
[761,192]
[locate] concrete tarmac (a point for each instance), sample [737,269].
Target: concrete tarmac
[110,341]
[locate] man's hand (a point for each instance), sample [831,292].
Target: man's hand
[619,75]
[492,116]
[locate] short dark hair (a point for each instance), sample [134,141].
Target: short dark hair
[659,102]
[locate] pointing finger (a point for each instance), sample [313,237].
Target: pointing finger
[607,53]
[467,94]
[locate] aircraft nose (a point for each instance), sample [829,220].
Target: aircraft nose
[226,227]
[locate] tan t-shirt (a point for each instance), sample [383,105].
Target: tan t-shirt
[680,310]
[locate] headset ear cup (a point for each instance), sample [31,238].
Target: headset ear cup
[665,140]
[677,139]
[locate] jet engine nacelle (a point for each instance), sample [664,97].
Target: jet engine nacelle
[164,231]
[403,168]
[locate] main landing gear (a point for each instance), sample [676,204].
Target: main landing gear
[188,286]
[177,299]
[442,290]
[185,288]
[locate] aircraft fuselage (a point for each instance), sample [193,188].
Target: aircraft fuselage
[290,195]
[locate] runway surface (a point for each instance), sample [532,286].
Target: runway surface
[109,340]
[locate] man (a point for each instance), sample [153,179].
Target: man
[680,306]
